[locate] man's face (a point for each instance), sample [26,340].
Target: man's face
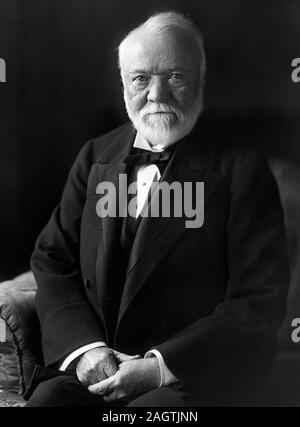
[162,90]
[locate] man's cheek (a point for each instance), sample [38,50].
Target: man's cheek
[138,101]
[132,92]
[183,96]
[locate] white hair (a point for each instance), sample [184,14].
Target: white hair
[174,23]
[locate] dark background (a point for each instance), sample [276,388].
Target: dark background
[63,87]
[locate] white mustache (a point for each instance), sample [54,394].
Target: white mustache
[158,109]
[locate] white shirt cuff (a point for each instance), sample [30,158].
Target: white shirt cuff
[166,376]
[79,352]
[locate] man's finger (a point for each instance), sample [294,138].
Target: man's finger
[114,397]
[100,375]
[122,357]
[111,398]
[104,387]
[111,366]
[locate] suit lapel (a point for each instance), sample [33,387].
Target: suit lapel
[110,168]
[156,236]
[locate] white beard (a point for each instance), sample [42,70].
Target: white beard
[162,125]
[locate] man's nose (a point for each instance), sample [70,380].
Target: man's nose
[158,90]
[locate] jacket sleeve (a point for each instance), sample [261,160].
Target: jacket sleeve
[67,320]
[245,325]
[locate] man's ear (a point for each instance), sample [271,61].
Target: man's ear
[122,83]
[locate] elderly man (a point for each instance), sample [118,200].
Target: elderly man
[142,310]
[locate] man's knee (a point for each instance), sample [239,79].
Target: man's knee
[53,392]
[161,397]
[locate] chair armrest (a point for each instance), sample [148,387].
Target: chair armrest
[18,314]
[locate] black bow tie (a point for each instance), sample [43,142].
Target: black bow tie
[144,157]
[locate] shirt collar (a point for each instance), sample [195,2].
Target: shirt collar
[141,142]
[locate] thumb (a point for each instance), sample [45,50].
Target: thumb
[122,357]
[104,387]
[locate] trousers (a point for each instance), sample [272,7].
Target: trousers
[67,391]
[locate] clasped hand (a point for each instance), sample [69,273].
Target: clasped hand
[117,376]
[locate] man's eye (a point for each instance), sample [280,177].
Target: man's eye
[176,77]
[140,79]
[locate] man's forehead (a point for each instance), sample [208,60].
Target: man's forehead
[144,49]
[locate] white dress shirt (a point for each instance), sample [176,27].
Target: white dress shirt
[145,176]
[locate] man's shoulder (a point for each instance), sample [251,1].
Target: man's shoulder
[235,156]
[221,151]
[227,157]
[243,165]
[103,147]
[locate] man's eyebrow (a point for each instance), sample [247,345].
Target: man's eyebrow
[138,71]
[169,70]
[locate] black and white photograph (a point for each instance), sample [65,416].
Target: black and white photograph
[150,206]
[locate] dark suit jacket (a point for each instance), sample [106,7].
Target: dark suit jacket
[210,300]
